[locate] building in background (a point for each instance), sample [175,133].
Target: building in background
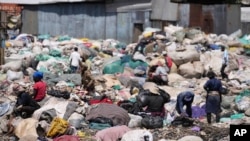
[10,20]
[124,20]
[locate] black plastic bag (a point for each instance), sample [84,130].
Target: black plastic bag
[184,121]
[57,93]
[151,122]
[131,107]
[165,95]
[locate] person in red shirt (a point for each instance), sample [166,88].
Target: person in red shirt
[168,60]
[39,87]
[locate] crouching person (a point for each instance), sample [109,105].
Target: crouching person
[154,100]
[25,104]
[185,99]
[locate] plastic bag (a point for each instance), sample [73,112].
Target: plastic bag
[151,122]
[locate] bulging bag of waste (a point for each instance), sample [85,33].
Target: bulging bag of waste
[112,68]
[191,33]
[191,70]
[55,53]
[13,75]
[151,122]
[13,65]
[180,35]
[243,104]
[137,135]
[76,119]
[135,121]
[185,122]
[184,56]
[191,138]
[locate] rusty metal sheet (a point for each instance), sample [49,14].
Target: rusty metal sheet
[195,17]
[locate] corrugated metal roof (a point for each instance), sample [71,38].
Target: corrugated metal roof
[129,5]
[34,2]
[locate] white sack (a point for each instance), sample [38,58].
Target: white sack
[135,121]
[58,104]
[184,56]
[191,70]
[13,65]
[13,75]
[191,138]
[137,135]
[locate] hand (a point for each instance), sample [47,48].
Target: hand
[184,115]
[19,107]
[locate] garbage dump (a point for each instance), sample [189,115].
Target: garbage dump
[160,88]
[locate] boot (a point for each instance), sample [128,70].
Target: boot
[217,118]
[209,118]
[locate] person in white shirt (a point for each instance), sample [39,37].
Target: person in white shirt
[75,60]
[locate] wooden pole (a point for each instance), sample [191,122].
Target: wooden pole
[1,55]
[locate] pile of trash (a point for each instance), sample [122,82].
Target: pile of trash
[69,111]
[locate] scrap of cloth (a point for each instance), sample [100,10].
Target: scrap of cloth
[198,112]
[4,108]
[112,133]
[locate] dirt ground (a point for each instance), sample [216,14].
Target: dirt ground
[207,132]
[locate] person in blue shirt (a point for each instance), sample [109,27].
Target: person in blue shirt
[213,99]
[224,63]
[185,99]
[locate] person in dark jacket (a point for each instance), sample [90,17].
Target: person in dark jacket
[185,99]
[213,100]
[25,104]
[140,46]
[153,102]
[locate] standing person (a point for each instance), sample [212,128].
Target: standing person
[88,82]
[213,100]
[185,99]
[168,60]
[39,87]
[140,46]
[74,59]
[224,63]
[25,104]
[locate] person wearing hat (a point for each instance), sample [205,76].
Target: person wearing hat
[25,104]
[224,62]
[152,99]
[213,99]
[168,60]
[39,87]
[185,99]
